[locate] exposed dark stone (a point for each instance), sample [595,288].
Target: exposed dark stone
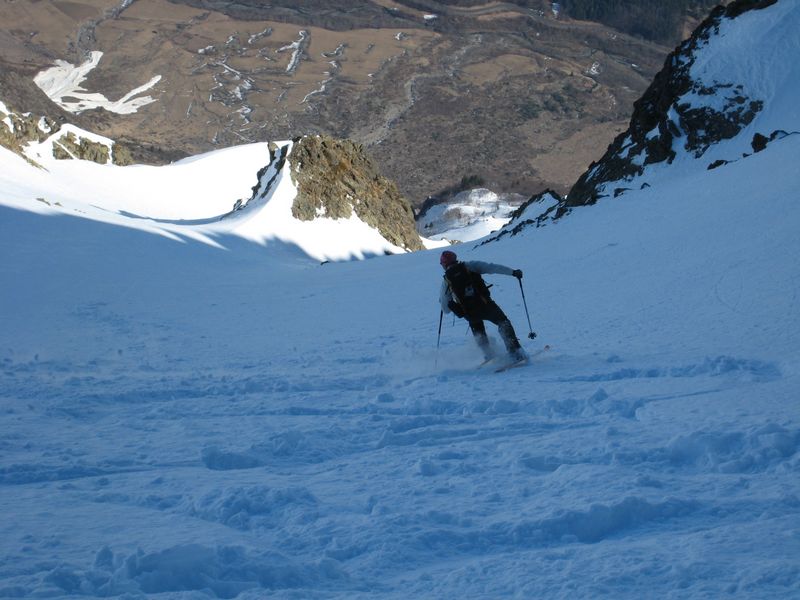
[717,163]
[759,142]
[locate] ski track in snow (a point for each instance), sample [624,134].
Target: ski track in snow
[278,460]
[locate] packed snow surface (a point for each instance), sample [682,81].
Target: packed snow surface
[190,420]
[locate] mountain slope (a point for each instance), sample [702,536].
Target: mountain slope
[504,91]
[178,419]
[182,421]
[722,90]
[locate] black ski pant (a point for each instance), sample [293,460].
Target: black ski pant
[489,311]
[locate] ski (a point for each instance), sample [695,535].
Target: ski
[523,361]
[516,363]
[540,351]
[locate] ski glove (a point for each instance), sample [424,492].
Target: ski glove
[517,273]
[456,309]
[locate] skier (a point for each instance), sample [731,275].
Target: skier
[465,294]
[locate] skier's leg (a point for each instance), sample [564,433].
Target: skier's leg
[513,346]
[496,315]
[479,332]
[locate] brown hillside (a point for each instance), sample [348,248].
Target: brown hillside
[509,93]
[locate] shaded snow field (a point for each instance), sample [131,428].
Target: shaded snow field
[184,420]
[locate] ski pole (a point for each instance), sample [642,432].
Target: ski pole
[531,333]
[438,340]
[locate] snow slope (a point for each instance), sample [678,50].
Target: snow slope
[183,421]
[180,421]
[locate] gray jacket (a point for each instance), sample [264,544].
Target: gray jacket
[476,266]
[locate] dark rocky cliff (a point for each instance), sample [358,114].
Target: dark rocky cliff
[663,124]
[659,118]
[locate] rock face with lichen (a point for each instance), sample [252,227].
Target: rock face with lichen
[336,179]
[70,146]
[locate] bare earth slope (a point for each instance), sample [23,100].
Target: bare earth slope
[433,92]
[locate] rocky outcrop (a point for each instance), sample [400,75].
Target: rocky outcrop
[336,179]
[661,121]
[677,115]
[17,130]
[70,146]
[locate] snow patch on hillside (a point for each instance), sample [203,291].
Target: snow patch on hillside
[6,120]
[63,85]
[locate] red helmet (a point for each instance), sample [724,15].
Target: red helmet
[447,258]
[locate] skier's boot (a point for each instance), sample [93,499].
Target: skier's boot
[485,346]
[514,348]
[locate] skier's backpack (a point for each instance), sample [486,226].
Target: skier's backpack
[467,286]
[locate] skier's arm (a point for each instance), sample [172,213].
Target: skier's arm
[445,297]
[448,302]
[485,267]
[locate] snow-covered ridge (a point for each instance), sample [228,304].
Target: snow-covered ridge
[207,197]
